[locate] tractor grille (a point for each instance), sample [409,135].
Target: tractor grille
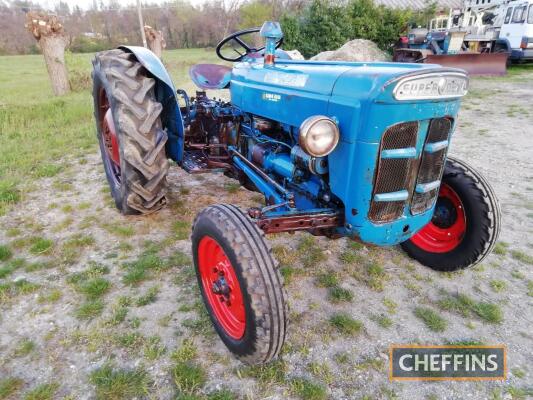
[393,174]
[396,175]
[431,164]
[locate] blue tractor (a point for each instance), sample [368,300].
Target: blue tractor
[338,149]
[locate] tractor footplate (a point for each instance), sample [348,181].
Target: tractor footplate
[297,222]
[196,162]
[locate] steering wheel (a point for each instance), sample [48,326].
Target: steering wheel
[240,46]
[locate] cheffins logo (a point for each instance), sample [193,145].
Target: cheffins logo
[413,362]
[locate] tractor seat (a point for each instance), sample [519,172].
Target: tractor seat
[210,76]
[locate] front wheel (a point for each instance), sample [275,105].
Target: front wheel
[465,223]
[240,283]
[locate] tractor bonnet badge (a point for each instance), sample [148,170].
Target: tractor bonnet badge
[431,86]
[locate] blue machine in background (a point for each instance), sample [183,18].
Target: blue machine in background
[338,149]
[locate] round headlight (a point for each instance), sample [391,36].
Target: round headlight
[319,136]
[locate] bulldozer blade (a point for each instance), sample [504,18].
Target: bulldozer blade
[476,64]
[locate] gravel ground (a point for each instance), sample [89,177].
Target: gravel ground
[68,224]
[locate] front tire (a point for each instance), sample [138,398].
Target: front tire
[240,283]
[132,141]
[465,225]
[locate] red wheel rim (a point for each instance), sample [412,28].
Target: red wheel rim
[109,136]
[221,287]
[448,226]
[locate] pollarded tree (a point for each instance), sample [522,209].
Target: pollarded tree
[50,36]
[155,39]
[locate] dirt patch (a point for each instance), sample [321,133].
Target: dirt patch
[65,239]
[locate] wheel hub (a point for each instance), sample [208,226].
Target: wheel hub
[221,287]
[445,213]
[447,228]
[111,152]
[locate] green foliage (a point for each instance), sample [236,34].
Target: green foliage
[181,230]
[432,320]
[95,288]
[339,295]
[328,25]
[345,324]
[5,253]
[308,390]
[467,306]
[24,347]
[149,297]
[255,13]
[9,386]
[90,309]
[119,384]
[42,392]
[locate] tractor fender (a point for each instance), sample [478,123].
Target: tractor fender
[171,117]
[152,63]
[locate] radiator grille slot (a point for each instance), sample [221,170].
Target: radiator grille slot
[439,129]
[423,201]
[383,211]
[431,165]
[400,136]
[394,174]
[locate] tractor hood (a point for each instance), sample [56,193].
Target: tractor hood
[291,91]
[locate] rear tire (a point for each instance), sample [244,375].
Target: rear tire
[480,213]
[137,173]
[235,267]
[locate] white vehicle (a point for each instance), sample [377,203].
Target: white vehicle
[517,29]
[493,26]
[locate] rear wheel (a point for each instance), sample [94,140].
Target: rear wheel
[465,224]
[240,283]
[132,141]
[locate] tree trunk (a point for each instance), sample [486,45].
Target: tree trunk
[155,40]
[51,38]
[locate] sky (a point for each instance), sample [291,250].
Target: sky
[85,4]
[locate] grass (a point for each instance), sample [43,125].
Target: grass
[187,374]
[40,245]
[338,295]
[519,373]
[9,386]
[498,285]
[11,266]
[181,230]
[5,253]
[501,248]
[307,390]
[10,290]
[466,306]
[522,257]
[327,280]
[345,324]
[118,230]
[153,349]
[118,384]
[52,296]
[431,319]
[383,321]
[149,297]
[273,373]
[311,255]
[45,391]
[90,309]
[24,347]
[95,288]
